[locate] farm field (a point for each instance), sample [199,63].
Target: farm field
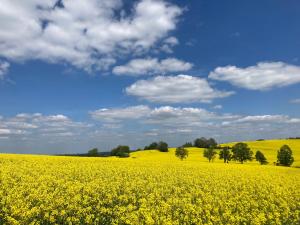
[270,148]
[150,187]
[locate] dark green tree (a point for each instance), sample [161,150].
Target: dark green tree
[285,156]
[181,153]
[212,143]
[121,151]
[163,146]
[259,156]
[241,152]
[152,146]
[200,143]
[187,145]
[209,153]
[93,152]
[205,143]
[225,154]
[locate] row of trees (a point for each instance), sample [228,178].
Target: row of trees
[161,146]
[241,152]
[201,143]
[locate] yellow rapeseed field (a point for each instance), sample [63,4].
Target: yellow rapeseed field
[270,148]
[150,187]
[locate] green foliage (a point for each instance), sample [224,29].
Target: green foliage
[225,154]
[93,152]
[181,153]
[259,156]
[187,145]
[152,146]
[163,146]
[285,156]
[209,153]
[241,152]
[121,151]
[205,143]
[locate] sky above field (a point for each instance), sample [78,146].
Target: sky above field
[81,74]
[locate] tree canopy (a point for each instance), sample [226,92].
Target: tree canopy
[181,153]
[209,153]
[225,154]
[285,156]
[121,151]
[93,152]
[259,156]
[241,152]
[205,143]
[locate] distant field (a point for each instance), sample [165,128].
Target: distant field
[270,148]
[150,187]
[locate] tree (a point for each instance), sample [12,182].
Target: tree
[200,142]
[225,154]
[209,153]
[181,153]
[212,143]
[241,152]
[93,152]
[187,145]
[121,151]
[259,156]
[152,146]
[163,146]
[205,143]
[285,156]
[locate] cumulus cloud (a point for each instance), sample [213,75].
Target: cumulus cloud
[168,44]
[176,89]
[152,66]
[167,119]
[4,66]
[114,115]
[36,125]
[89,34]
[136,126]
[263,76]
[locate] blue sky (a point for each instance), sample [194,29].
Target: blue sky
[83,74]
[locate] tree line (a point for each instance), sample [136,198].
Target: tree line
[240,152]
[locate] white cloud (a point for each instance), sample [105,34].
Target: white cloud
[151,66]
[264,118]
[168,44]
[175,89]
[36,125]
[295,101]
[4,66]
[136,126]
[89,34]
[218,107]
[114,115]
[263,76]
